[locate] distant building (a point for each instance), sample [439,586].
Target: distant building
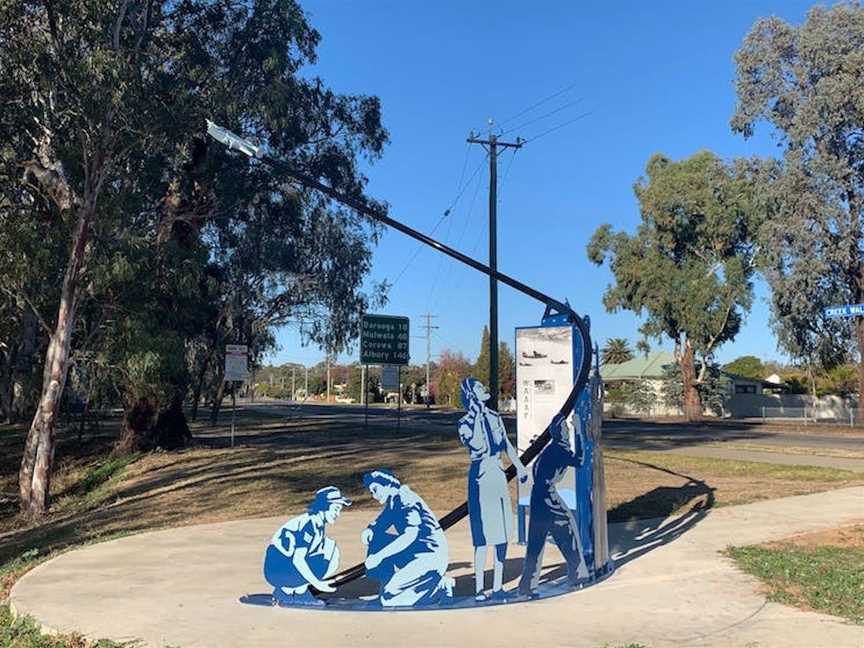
[650,369]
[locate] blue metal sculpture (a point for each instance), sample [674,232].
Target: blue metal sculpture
[490,512]
[409,564]
[550,515]
[300,556]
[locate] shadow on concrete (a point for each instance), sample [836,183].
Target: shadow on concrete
[632,537]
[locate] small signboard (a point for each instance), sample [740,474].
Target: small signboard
[390,377]
[849,310]
[236,362]
[384,340]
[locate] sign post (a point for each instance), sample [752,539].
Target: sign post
[384,341]
[236,370]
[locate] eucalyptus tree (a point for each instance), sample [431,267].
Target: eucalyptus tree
[103,108]
[804,82]
[688,268]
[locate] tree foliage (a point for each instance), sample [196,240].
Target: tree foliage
[104,165]
[805,83]
[616,351]
[688,268]
[747,366]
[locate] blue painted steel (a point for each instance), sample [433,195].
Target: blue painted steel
[550,515]
[409,564]
[490,511]
[849,310]
[300,555]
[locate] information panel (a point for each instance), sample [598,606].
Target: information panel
[384,340]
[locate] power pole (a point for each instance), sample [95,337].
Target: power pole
[293,390]
[492,145]
[328,378]
[306,383]
[428,328]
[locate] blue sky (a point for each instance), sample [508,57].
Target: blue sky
[654,77]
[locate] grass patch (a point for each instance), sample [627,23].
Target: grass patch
[24,633]
[102,473]
[813,576]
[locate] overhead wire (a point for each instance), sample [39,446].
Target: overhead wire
[460,191]
[559,126]
[544,116]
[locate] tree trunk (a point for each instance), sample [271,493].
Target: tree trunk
[197,387]
[859,330]
[217,400]
[34,477]
[692,399]
[137,425]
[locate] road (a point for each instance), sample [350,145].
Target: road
[620,434]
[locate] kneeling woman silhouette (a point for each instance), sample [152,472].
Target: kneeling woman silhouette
[410,563]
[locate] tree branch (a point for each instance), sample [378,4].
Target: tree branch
[19,294]
[118,24]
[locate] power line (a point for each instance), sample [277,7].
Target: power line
[549,114]
[539,103]
[461,191]
[555,128]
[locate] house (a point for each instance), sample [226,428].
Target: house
[650,369]
[646,368]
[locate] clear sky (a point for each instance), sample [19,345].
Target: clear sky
[653,77]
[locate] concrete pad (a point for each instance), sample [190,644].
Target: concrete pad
[673,587]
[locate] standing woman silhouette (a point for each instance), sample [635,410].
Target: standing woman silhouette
[482,432]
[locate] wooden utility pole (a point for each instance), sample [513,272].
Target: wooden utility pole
[492,145]
[428,326]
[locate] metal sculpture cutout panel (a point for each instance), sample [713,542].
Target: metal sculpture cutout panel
[409,564]
[300,556]
[550,515]
[490,512]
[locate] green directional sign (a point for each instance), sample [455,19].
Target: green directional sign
[384,340]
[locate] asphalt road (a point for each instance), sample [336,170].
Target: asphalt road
[623,434]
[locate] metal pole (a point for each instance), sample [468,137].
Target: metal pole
[365,398]
[293,385]
[233,409]
[399,398]
[493,265]
[328,378]
[306,383]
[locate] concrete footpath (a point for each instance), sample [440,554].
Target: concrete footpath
[673,587]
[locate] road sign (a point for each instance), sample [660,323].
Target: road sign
[384,340]
[849,310]
[236,362]
[390,377]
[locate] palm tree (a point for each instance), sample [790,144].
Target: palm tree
[616,351]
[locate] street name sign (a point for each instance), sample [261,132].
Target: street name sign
[849,310]
[384,340]
[236,362]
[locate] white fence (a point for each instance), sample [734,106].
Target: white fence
[840,415]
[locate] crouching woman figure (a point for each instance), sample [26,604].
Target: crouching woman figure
[410,563]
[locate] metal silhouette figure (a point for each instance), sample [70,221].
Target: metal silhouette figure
[550,515]
[300,555]
[409,564]
[482,433]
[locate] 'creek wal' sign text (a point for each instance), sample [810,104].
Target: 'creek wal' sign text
[384,340]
